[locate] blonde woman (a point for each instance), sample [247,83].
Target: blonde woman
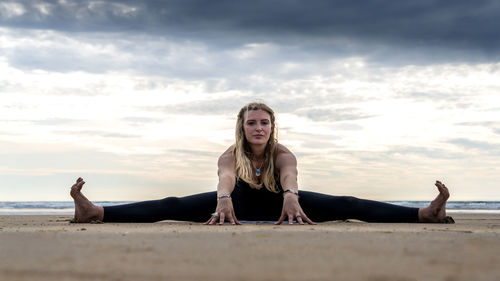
[258,182]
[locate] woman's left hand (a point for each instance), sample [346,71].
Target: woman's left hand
[292,209]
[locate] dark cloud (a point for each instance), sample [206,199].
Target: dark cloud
[390,30]
[62,59]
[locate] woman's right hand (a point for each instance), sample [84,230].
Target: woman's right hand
[225,211]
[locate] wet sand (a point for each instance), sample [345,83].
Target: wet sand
[50,248]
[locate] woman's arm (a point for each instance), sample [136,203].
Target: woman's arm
[226,172]
[227,179]
[286,163]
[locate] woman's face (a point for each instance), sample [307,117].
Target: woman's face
[257,126]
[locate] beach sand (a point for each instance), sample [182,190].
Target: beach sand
[50,248]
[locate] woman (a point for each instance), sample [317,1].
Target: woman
[258,182]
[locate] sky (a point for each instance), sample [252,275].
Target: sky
[377,99]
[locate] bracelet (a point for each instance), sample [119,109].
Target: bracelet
[223,196]
[290,191]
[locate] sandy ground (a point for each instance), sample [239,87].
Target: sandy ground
[49,248]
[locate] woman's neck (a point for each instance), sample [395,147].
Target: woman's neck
[258,151]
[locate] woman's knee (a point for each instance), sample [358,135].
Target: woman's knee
[350,199]
[170,201]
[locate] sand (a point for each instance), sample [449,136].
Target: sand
[49,248]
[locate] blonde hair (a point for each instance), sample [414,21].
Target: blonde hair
[244,155]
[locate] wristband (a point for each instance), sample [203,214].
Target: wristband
[223,196]
[290,191]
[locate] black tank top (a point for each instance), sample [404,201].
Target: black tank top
[243,184]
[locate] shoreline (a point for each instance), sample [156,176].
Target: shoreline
[57,212]
[67,207]
[41,247]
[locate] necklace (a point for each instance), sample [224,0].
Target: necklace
[257,170]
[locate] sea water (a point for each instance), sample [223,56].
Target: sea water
[67,207]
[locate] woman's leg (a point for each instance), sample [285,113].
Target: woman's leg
[322,207]
[190,208]
[195,208]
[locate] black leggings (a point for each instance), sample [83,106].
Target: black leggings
[259,205]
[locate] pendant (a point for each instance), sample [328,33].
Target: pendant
[257,172]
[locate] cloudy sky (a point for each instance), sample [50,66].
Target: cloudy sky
[377,99]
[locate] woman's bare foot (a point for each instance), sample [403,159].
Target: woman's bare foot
[436,211]
[85,211]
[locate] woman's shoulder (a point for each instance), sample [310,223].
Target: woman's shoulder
[227,157]
[283,150]
[284,156]
[228,152]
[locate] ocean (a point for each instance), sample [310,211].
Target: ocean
[67,207]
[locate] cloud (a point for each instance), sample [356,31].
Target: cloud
[494,126]
[102,134]
[58,161]
[300,105]
[133,120]
[223,105]
[52,121]
[481,124]
[362,91]
[383,31]
[427,152]
[192,153]
[340,114]
[486,147]
[10,10]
